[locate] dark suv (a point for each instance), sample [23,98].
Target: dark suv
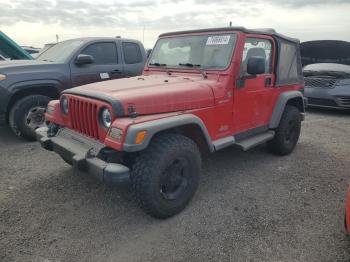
[26,86]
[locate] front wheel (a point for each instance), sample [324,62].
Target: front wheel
[166,175]
[27,115]
[287,133]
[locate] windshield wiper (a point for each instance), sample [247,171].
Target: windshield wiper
[162,66]
[157,64]
[189,64]
[201,70]
[46,60]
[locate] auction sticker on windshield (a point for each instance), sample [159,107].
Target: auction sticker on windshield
[218,40]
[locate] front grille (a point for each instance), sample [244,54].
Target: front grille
[84,116]
[343,101]
[321,102]
[318,82]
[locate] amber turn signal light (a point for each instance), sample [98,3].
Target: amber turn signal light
[140,137]
[2,77]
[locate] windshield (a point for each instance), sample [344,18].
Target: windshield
[60,52]
[212,51]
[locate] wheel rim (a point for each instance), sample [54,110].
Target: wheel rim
[175,180]
[35,117]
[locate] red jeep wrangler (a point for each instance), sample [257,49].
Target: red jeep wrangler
[201,91]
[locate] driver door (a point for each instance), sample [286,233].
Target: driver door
[106,66]
[252,99]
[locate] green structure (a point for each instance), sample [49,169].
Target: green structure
[9,49]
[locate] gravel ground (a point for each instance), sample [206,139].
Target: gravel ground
[250,206]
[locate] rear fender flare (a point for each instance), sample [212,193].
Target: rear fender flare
[281,103]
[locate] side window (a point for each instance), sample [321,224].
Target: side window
[257,47]
[132,53]
[287,69]
[103,53]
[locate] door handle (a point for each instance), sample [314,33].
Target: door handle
[116,71]
[268,81]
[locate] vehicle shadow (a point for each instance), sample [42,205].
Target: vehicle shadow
[64,206]
[329,111]
[88,198]
[7,137]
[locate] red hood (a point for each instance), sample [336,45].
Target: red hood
[155,93]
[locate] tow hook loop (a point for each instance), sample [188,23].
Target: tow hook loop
[52,130]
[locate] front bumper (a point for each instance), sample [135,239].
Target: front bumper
[83,153]
[338,97]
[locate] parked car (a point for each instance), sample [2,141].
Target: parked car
[327,73]
[26,86]
[31,50]
[10,50]
[200,92]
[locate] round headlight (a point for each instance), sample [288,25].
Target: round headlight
[64,105]
[106,117]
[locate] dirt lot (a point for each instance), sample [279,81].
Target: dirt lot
[250,206]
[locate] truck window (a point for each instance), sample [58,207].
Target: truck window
[132,53]
[103,53]
[256,47]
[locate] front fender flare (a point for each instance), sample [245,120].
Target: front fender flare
[155,126]
[23,85]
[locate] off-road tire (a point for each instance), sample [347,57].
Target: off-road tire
[287,133]
[152,166]
[19,111]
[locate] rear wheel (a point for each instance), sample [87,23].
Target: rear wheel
[27,115]
[166,175]
[287,133]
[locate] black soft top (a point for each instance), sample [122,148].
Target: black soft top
[261,31]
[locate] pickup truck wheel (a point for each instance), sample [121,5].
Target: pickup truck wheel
[28,114]
[287,133]
[166,175]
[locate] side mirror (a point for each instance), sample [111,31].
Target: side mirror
[256,65]
[84,59]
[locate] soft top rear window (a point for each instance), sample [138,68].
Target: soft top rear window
[289,69]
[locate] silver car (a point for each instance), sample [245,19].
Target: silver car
[327,73]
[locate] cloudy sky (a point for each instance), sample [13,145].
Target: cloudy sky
[34,22]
